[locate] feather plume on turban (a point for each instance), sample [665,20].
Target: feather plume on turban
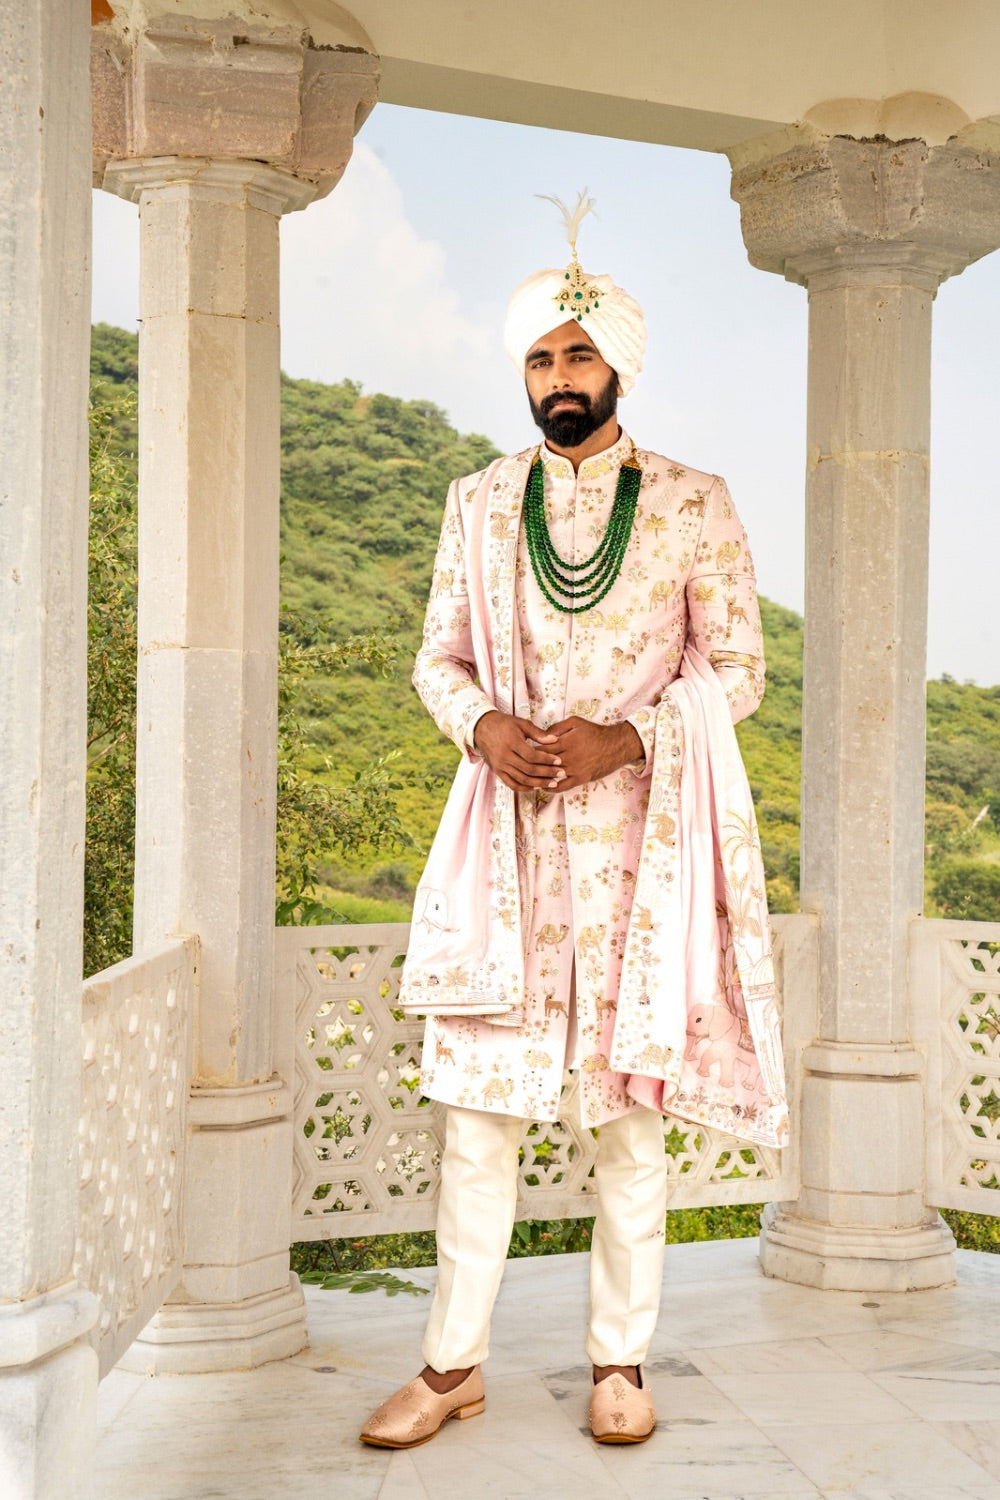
[611,319]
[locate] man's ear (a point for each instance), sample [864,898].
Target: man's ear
[620,391]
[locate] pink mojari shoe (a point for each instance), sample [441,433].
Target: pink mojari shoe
[415,1413]
[621,1412]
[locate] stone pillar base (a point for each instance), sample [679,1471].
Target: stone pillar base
[48,1418]
[846,1258]
[202,1338]
[48,1396]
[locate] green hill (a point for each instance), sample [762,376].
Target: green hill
[363,485]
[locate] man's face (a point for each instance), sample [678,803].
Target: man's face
[572,391]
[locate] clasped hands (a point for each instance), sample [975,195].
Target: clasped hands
[558,759]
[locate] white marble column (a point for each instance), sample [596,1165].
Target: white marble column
[206,749]
[48,1369]
[278,135]
[871,228]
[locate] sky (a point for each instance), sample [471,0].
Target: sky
[399,279]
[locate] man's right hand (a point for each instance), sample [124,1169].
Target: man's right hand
[515,750]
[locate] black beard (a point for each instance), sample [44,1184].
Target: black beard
[568,429]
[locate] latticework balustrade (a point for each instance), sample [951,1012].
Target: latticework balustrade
[956,983]
[367,1144]
[136,1075]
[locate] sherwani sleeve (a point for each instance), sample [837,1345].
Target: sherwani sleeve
[444,673]
[723,614]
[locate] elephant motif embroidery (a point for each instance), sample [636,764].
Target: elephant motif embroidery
[729,1044]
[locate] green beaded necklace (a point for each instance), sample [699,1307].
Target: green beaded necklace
[574,587]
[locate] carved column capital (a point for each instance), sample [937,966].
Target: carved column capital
[187,88]
[276,190]
[870,208]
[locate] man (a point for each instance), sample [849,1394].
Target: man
[568,915]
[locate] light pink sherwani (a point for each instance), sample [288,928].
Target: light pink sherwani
[687,574]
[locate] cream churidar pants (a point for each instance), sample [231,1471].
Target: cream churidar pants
[476,1215]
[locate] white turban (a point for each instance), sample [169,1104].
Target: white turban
[611,319]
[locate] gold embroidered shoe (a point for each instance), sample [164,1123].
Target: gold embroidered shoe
[621,1412]
[416,1413]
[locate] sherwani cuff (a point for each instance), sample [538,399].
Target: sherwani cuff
[643,721]
[468,733]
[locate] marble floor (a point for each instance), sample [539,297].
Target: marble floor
[765,1391]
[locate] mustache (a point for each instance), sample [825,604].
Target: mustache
[578,398]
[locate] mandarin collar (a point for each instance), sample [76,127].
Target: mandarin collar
[608,461]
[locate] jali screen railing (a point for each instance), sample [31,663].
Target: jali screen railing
[955,980]
[367,1145]
[136,1073]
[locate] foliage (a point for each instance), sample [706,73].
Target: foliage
[771,743]
[530,1237]
[114,362]
[320,814]
[968,889]
[363,1281]
[111,656]
[345,906]
[315,1259]
[973,1231]
[353,1257]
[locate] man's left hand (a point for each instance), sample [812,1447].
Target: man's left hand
[591,751]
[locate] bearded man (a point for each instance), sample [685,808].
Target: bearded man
[594,897]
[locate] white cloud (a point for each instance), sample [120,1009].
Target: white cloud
[365,296]
[115,261]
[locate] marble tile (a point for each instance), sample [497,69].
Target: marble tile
[888,1350]
[402,1481]
[218,1426]
[703,1317]
[715,1461]
[530,1277]
[337,1403]
[870,1390]
[947,1395]
[670,1364]
[937,1492]
[243,1448]
[271,1483]
[114,1393]
[826,1397]
[712,1261]
[367,1333]
[978,1268]
[525,1445]
[979,1440]
[783,1356]
[576,1378]
[973,1321]
[963,1314]
[860,1456]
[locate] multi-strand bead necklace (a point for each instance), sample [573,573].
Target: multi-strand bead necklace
[573,587]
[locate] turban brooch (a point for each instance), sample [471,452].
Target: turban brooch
[611,319]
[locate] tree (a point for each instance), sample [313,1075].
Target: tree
[320,817]
[111,655]
[316,818]
[968,889]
